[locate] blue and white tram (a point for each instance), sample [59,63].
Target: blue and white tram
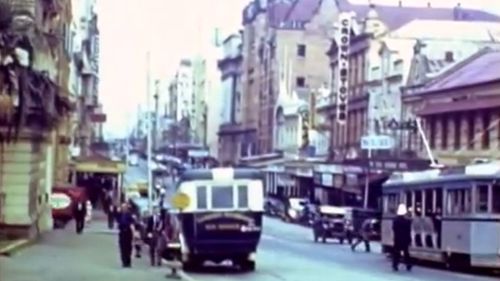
[455,212]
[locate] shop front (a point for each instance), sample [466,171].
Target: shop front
[271,174]
[302,175]
[337,185]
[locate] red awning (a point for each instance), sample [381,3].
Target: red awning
[457,106]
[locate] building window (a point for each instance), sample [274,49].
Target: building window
[457,133]
[470,131]
[486,130]
[432,129]
[301,50]
[300,82]
[444,132]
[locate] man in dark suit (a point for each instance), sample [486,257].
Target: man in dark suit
[154,228]
[401,228]
[79,213]
[126,235]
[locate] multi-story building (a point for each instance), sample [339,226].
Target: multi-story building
[90,114]
[38,139]
[200,95]
[379,51]
[231,133]
[459,109]
[276,31]
[182,96]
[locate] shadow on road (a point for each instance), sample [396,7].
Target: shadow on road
[219,269]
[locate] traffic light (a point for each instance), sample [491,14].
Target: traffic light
[305,129]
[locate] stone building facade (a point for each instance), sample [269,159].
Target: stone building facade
[34,103]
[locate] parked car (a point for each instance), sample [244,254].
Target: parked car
[274,207]
[295,209]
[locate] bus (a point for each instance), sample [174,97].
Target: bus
[455,214]
[223,220]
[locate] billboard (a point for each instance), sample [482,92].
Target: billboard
[343,42]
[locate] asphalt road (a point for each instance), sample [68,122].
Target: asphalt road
[286,253]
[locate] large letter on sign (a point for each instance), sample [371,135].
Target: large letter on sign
[343,41]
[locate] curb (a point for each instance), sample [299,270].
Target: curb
[15,246]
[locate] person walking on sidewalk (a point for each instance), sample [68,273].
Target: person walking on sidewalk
[363,235]
[154,229]
[125,235]
[401,227]
[111,214]
[79,213]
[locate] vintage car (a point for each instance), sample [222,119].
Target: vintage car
[63,200]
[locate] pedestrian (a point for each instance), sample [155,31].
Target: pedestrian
[401,228]
[363,235]
[137,237]
[79,213]
[125,235]
[154,229]
[112,212]
[88,213]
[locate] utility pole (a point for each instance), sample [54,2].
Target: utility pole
[156,115]
[205,125]
[149,123]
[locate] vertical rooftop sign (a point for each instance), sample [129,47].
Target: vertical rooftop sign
[345,22]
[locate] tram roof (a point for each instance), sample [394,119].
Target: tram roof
[462,173]
[226,173]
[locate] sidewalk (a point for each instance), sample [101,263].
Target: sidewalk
[62,255]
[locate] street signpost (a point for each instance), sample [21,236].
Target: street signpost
[377,142]
[180,201]
[374,142]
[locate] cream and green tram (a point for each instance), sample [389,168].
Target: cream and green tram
[455,214]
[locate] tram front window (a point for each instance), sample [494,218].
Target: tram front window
[222,197]
[242,196]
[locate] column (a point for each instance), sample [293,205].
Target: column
[21,186]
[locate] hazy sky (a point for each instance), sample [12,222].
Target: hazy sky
[172,29]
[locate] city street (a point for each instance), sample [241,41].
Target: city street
[286,253]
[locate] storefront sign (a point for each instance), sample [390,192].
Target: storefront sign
[377,142]
[332,169]
[352,179]
[285,180]
[327,179]
[300,172]
[395,125]
[343,65]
